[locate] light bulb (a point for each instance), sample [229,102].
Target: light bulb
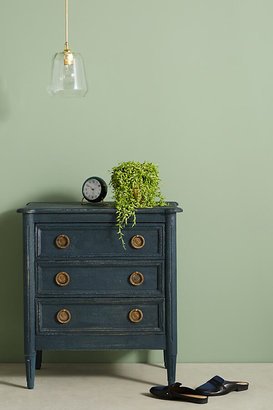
[69,76]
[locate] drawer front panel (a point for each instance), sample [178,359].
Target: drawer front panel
[100,278]
[92,240]
[99,315]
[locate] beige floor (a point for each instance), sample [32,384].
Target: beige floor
[126,386]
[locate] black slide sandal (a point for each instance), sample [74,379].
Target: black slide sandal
[217,386]
[179,393]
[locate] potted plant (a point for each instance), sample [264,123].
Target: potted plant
[136,185]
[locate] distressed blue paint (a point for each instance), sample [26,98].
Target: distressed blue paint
[99,294]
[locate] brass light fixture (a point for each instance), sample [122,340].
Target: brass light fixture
[68,74]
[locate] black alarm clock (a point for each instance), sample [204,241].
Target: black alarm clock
[94,189]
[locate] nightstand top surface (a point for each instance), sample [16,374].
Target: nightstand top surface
[85,208]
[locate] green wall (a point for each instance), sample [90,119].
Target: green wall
[187,84]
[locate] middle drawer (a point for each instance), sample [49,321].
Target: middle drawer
[100,278]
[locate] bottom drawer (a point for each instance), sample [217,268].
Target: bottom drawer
[99,315]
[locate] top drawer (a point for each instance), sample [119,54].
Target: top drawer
[91,240]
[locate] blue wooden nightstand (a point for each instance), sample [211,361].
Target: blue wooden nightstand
[83,291]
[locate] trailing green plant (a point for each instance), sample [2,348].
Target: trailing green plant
[136,185]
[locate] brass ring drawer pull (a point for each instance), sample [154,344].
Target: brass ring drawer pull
[63,316]
[137,241]
[136,278]
[62,279]
[135,315]
[62,241]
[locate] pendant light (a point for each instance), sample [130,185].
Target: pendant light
[68,74]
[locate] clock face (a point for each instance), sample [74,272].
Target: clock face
[94,189]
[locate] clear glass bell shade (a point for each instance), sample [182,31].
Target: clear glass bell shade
[68,80]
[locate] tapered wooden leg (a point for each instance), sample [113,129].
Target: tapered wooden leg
[30,369]
[171,299]
[171,367]
[39,355]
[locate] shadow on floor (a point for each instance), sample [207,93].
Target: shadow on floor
[69,370]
